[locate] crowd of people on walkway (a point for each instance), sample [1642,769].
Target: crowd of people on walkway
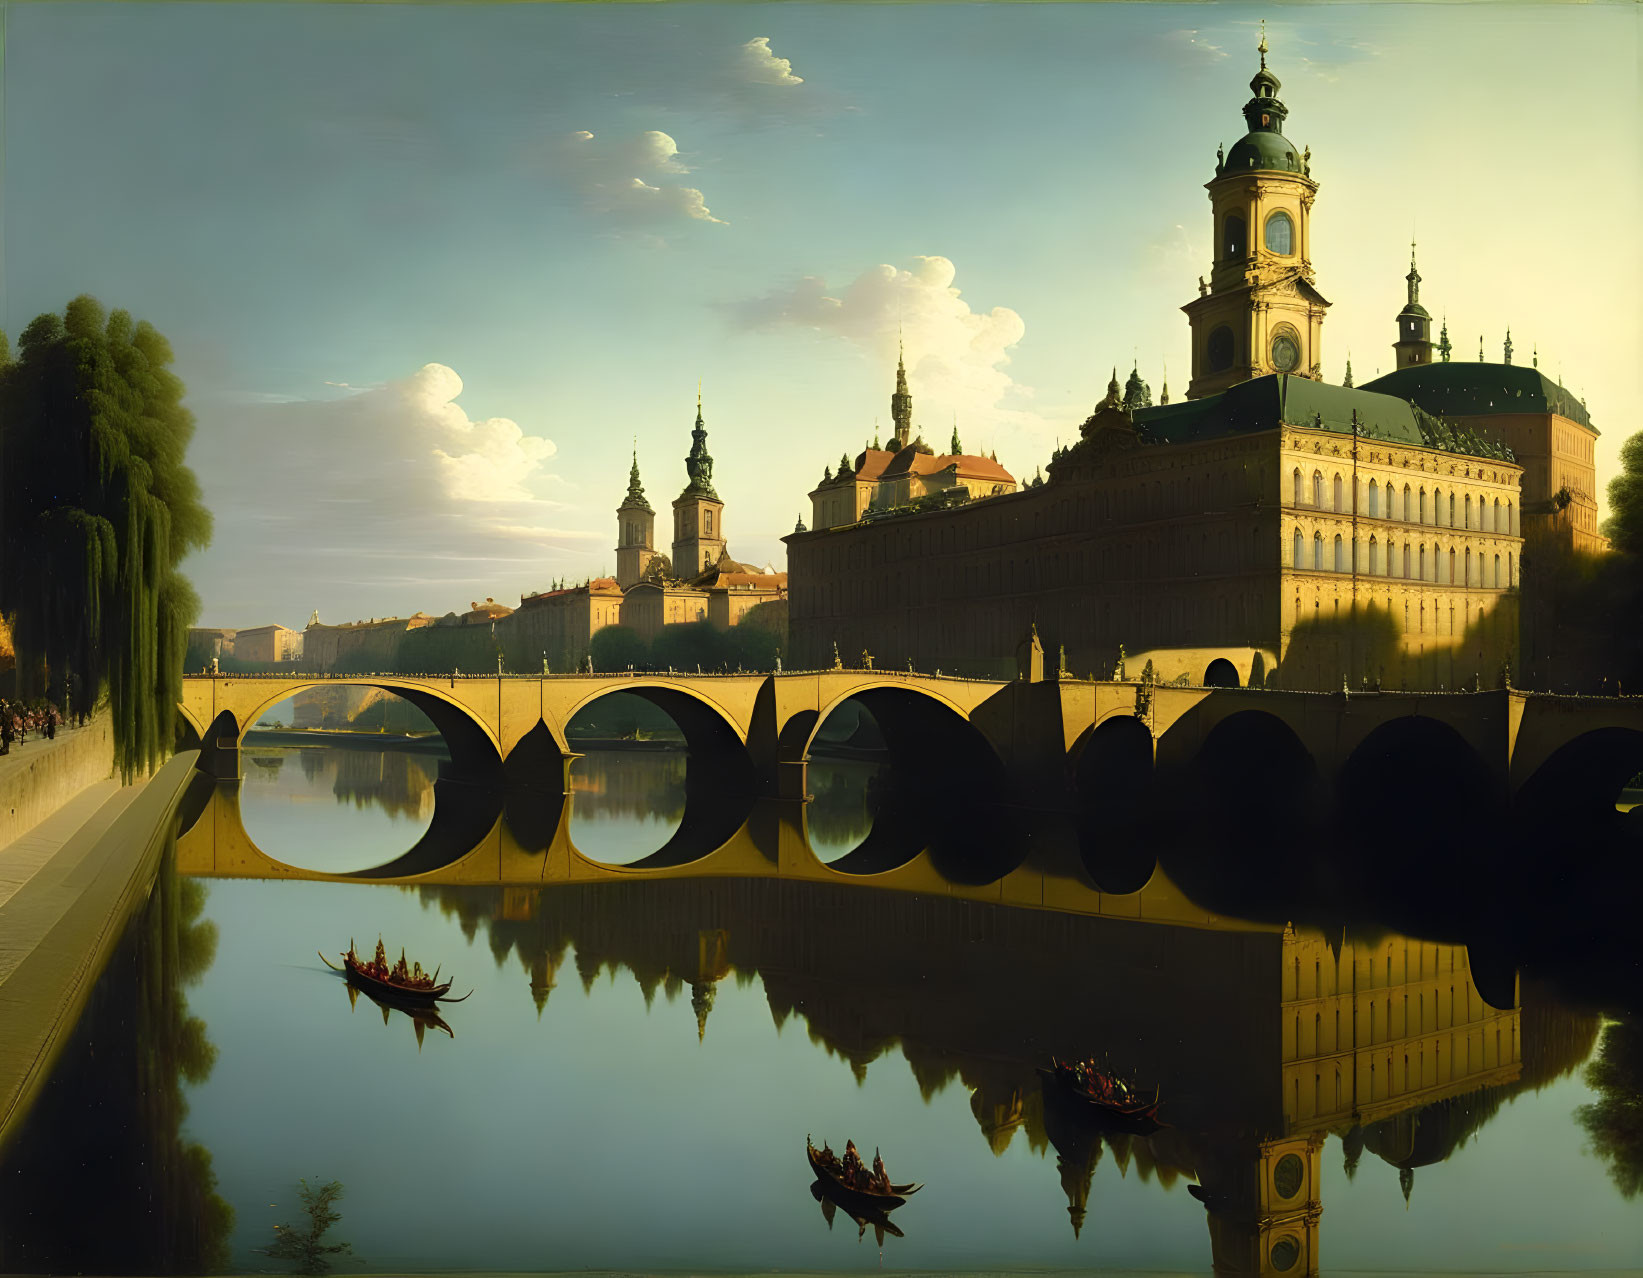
[19,718]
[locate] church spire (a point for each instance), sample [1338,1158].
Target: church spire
[1348,379]
[1444,347]
[1508,345]
[901,403]
[635,499]
[699,462]
[1414,344]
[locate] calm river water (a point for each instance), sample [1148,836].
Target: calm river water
[632,1080]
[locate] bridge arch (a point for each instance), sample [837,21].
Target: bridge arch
[1111,768]
[944,777]
[1248,802]
[1580,781]
[476,754]
[1440,840]
[720,782]
[1221,673]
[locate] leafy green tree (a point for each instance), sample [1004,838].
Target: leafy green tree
[97,507]
[615,648]
[306,1246]
[1624,527]
[1614,1121]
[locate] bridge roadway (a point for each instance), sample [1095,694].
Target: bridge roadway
[1038,743]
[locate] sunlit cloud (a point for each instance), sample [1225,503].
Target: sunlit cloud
[760,66]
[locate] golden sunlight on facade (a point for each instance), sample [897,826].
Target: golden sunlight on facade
[1271,529]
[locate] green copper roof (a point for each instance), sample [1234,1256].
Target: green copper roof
[1261,150]
[1470,389]
[1281,398]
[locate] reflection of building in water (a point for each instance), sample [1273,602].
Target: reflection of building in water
[400,782]
[647,784]
[1262,1042]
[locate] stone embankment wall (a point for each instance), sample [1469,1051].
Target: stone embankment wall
[38,778]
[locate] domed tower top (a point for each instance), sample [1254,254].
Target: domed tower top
[1264,146]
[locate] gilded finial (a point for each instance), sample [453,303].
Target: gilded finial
[1262,46]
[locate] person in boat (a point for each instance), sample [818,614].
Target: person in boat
[852,1164]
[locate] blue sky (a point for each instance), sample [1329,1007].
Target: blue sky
[423,309]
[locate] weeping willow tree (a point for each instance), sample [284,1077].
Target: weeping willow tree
[97,507]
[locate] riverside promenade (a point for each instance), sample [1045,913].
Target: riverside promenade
[78,849]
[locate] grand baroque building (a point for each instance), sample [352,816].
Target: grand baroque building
[1271,528]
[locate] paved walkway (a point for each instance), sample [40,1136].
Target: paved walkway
[66,890]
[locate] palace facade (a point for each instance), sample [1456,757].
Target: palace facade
[1272,528]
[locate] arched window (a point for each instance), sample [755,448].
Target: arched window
[1318,489]
[1451,510]
[1406,559]
[1408,503]
[1374,557]
[1423,506]
[1467,563]
[1511,519]
[1280,233]
[1468,510]
[1374,500]
[1510,580]
[1495,582]
[1451,565]
[1340,554]
[1318,551]
[1437,507]
[1494,517]
[1337,494]
[1423,563]
[1300,546]
[1391,558]
[1299,483]
[1234,236]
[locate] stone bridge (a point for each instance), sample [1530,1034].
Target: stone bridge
[1036,744]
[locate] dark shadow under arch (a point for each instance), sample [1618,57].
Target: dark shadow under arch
[944,793]
[1221,673]
[1248,811]
[1114,796]
[1418,831]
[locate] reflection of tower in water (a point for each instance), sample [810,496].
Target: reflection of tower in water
[1262,1042]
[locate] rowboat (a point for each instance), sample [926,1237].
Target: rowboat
[827,1194]
[1138,1114]
[392,990]
[830,1172]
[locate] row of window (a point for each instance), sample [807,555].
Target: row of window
[1280,234]
[1454,569]
[1440,510]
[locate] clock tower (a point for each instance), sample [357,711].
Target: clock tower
[1259,313]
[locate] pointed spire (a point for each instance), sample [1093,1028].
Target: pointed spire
[1261,48]
[1481,356]
[699,462]
[799,527]
[901,402]
[1347,381]
[1444,348]
[1414,277]
[635,500]
[1508,345]
[1163,393]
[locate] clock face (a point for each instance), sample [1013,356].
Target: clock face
[1285,354]
[1286,1177]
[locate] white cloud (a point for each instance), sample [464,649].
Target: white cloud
[611,178]
[957,357]
[759,65]
[397,474]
